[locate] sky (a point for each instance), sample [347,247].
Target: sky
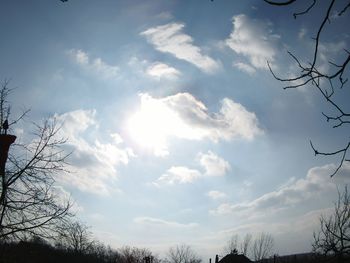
[178,131]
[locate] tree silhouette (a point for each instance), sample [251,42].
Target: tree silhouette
[75,236]
[241,246]
[328,82]
[29,200]
[136,255]
[182,254]
[333,237]
[232,244]
[245,244]
[262,246]
[258,247]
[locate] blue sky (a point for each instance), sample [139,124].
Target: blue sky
[179,132]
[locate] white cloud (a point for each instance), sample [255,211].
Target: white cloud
[254,40]
[178,174]
[94,164]
[213,194]
[160,70]
[156,70]
[213,164]
[183,116]
[329,51]
[244,67]
[151,221]
[165,15]
[317,184]
[96,66]
[237,121]
[302,33]
[117,138]
[170,38]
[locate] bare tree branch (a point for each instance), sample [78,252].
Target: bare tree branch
[29,201]
[333,238]
[327,83]
[262,246]
[280,3]
[306,10]
[182,254]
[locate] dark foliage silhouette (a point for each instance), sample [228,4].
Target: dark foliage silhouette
[39,251]
[136,255]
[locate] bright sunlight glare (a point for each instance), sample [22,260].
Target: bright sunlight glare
[153,124]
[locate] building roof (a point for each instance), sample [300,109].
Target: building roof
[234,258]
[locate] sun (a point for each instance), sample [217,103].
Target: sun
[152,124]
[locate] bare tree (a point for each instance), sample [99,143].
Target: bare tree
[333,237]
[245,244]
[232,245]
[75,236]
[330,81]
[29,201]
[262,246]
[136,255]
[182,254]
[236,245]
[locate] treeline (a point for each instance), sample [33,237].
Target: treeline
[38,250]
[81,248]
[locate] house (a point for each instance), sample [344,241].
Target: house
[235,258]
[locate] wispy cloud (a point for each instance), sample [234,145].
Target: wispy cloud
[94,164]
[96,66]
[162,223]
[161,70]
[329,51]
[254,40]
[247,68]
[214,194]
[178,174]
[170,38]
[315,185]
[156,70]
[302,33]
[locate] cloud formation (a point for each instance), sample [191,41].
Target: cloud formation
[254,41]
[215,195]
[315,185]
[169,38]
[94,164]
[245,67]
[161,70]
[96,66]
[178,174]
[151,221]
[211,163]
[183,116]
[231,122]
